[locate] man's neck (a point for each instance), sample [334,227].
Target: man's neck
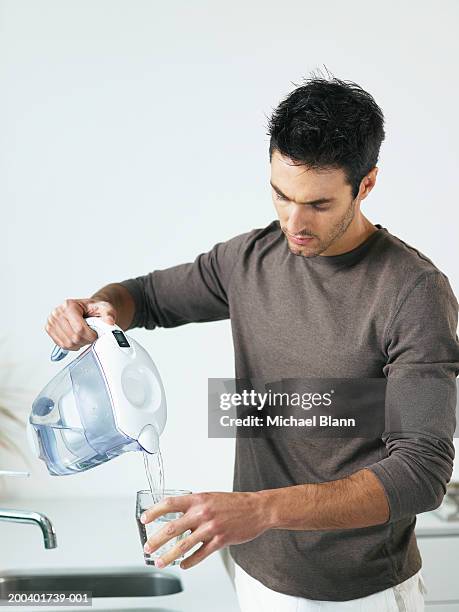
[356,234]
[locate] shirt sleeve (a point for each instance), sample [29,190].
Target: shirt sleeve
[187,293]
[421,395]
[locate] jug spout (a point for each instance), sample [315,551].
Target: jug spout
[149,439]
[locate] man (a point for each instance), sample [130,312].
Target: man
[320,292]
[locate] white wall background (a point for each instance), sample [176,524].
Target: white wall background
[132,137]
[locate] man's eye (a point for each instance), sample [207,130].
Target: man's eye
[314,206]
[319,206]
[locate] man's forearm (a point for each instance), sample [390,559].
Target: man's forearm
[353,502]
[122,301]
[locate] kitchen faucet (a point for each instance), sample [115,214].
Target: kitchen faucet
[29,516]
[26,516]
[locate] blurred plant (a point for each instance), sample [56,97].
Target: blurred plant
[13,402]
[5,441]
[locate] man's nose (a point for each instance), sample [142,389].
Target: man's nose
[299,220]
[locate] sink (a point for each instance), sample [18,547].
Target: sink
[111,582]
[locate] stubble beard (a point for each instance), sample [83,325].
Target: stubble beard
[336,232]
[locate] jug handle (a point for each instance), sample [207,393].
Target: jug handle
[95,323]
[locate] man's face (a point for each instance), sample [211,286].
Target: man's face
[315,207]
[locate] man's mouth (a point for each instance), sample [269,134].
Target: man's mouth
[300,240]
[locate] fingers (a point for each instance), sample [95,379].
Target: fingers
[66,324]
[84,334]
[181,548]
[187,543]
[204,551]
[178,503]
[64,330]
[172,529]
[104,310]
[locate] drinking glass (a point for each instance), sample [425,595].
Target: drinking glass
[145,501]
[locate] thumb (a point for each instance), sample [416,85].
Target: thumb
[104,310]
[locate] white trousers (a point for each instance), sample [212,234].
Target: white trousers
[253,596]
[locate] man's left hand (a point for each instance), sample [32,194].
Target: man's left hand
[215,519]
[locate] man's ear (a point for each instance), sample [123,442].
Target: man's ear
[367,183]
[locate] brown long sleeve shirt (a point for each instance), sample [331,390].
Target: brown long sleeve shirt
[383,310]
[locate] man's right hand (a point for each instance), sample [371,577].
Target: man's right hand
[66,324]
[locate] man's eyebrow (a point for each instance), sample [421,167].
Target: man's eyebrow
[310,203]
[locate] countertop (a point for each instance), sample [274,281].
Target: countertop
[95,532]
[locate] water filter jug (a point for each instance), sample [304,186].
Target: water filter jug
[109,400]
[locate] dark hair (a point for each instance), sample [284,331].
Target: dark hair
[329,123]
